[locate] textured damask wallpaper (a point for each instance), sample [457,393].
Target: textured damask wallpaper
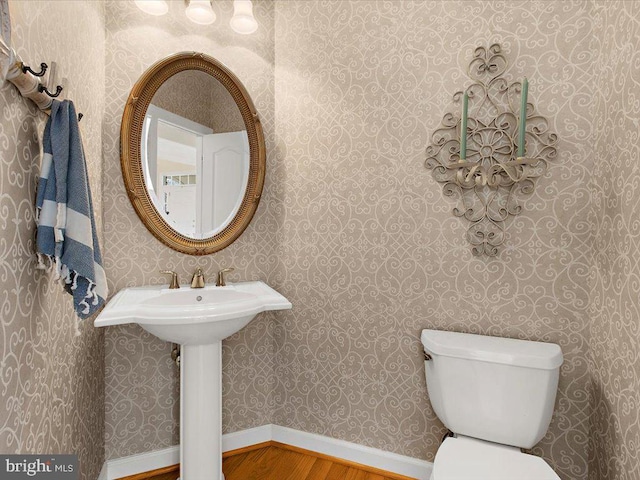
[51,382]
[372,253]
[355,232]
[141,381]
[615,316]
[352,227]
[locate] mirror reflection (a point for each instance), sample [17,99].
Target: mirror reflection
[195,154]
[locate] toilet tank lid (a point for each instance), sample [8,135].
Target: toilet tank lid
[508,351]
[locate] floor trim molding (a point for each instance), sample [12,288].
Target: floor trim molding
[142,462]
[352,452]
[340,449]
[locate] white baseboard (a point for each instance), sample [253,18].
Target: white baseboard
[103,472]
[351,452]
[142,462]
[244,438]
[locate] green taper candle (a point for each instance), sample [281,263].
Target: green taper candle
[463,127]
[523,117]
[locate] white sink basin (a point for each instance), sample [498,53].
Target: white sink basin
[198,319]
[191,316]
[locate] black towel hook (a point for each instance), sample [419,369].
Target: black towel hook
[43,69]
[43,89]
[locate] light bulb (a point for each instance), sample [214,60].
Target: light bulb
[153,7]
[243,21]
[200,12]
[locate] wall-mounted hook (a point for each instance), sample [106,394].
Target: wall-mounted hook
[42,88]
[43,69]
[31,85]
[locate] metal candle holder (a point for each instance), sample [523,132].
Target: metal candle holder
[491,181]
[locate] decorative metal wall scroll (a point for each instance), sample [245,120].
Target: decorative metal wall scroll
[489,169]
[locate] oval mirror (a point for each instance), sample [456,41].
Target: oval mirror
[192,153]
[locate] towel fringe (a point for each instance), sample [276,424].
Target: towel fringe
[66,274]
[58,268]
[41,261]
[69,277]
[85,310]
[90,295]
[90,289]
[96,299]
[93,291]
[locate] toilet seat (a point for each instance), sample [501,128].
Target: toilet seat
[465,458]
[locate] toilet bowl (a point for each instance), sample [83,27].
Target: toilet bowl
[496,395]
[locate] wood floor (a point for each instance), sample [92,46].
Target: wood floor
[282,462]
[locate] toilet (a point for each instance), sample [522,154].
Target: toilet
[496,396]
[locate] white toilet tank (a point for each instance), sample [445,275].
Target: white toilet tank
[498,389]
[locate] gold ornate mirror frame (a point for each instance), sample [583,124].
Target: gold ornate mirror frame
[131,161]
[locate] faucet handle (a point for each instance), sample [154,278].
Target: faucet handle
[197,281]
[174,279]
[220,282]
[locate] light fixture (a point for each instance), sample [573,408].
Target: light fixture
[243,21]
[153,7]
[200,12]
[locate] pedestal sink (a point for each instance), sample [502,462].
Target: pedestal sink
[198,320]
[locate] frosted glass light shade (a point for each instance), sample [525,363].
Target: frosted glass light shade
[243,21]
[153,7]
[200,12]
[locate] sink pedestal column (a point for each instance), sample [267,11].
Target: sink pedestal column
[201,412]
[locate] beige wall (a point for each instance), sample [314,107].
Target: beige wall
[141,380]
[51,382]
[614,435]
[372,253]
[351,227]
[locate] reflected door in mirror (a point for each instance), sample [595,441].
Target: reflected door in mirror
[195,154]
[225,167]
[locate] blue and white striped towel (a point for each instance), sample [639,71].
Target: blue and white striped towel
[66,233]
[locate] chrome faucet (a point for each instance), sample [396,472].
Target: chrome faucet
[197,281]
[220,282]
